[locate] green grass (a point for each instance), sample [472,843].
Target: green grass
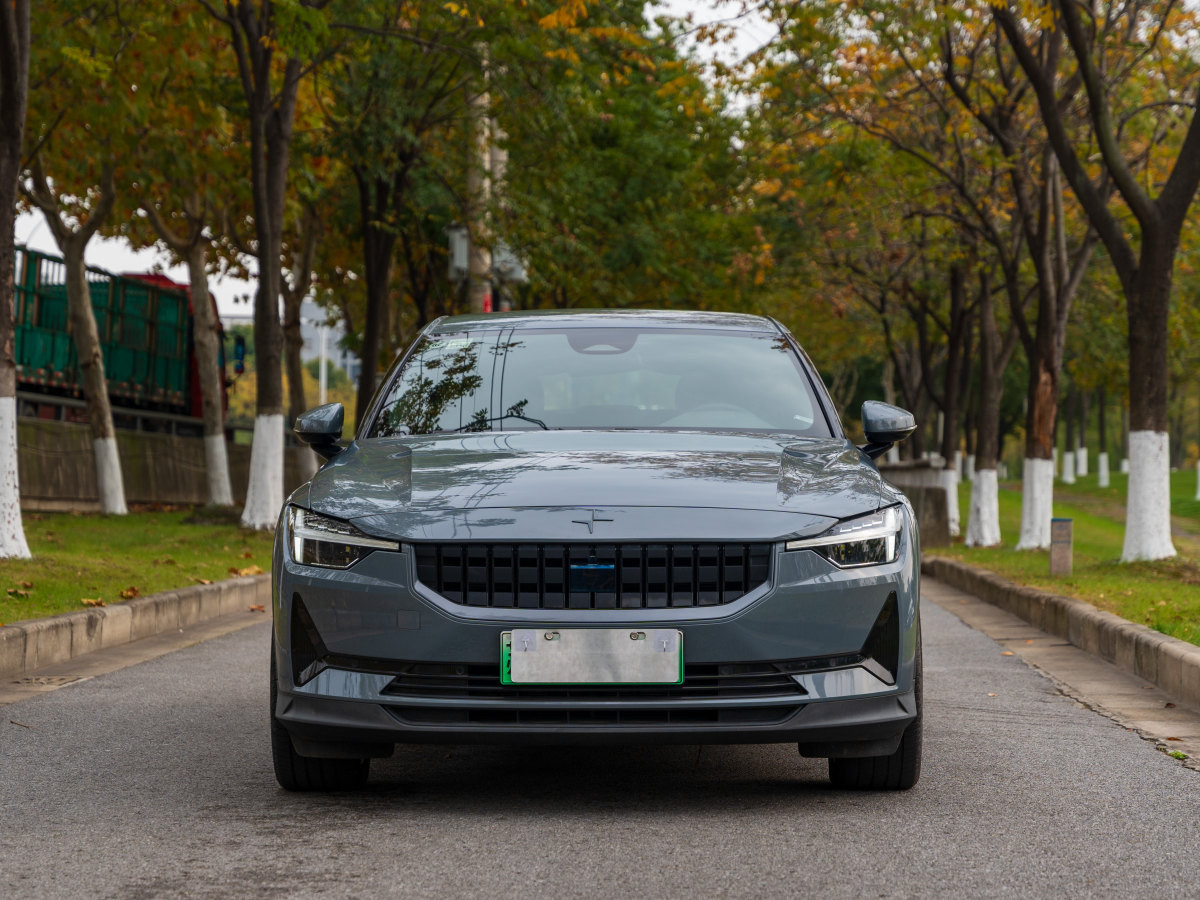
[1184,505]
[98,557]
[1164,595]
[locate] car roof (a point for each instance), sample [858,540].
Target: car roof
[608,318]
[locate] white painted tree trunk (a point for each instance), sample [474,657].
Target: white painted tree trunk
[1037,504]
[949,480]
[970,468]
[12,532]
[216,462]
[1068,467]
[264,492]
[983,520]
[1148,504]
[110,484]
[1124,467]
[960,464]
[1102,468]
[1081,462]
[1054,461]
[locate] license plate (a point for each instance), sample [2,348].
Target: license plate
[591,656]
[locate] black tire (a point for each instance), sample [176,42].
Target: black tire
[305,773]
[897,772]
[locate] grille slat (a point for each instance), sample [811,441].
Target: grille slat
[592,576]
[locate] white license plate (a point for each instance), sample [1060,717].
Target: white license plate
[591,656]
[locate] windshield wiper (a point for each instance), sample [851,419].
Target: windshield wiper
[481,424]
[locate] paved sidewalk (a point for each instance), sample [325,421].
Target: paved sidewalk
[1091,681]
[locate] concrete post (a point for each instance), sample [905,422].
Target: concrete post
[1061,546]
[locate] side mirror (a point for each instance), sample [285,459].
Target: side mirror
[321,429]
[885,425]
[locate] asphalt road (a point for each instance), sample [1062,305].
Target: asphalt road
[155,781]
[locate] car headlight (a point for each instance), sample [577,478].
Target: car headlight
[866,541]
[319,540]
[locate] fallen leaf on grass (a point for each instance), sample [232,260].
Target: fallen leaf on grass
[247,555]
[165,561]
[15,722]
[13,592]
[130,592]
[26,584]
[258,608]
[1008,653]
[202,580]
[88,601]
[249,570]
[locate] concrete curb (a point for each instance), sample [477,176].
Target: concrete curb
[26,646]
[1168,662]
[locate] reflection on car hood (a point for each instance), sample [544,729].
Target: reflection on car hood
[434,486]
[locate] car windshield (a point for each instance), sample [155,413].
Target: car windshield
[600,378]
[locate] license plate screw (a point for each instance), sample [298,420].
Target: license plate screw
[637,635]
[552,635]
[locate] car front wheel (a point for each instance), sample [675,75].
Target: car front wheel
[305,773]
[898,771]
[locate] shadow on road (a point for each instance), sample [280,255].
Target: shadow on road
[556,780]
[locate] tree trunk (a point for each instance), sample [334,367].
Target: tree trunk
[379,242]
[1102,474]
[14,86]
[1068,456]
[109,481]
[1037,489]
[983,517]
[1148,505]
[271,118]
[293,343]
[1081,451]
[207,339]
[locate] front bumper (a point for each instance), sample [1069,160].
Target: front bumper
[375,625]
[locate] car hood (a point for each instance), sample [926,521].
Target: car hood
[651,485]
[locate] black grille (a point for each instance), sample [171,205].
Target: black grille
[728,681]
[727,716]
[592,576]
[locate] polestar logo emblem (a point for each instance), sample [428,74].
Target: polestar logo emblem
[590,522]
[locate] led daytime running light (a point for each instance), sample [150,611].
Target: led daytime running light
[868,540]
[319,540]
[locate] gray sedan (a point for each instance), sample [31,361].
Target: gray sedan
[634,527]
